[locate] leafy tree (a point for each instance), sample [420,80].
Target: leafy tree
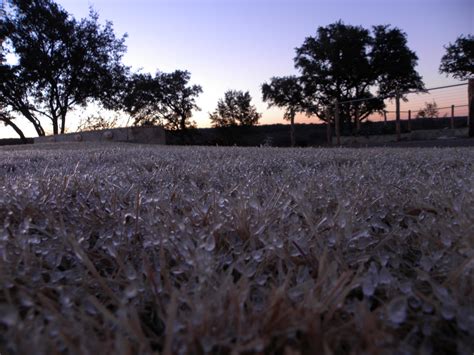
[142,99]
[165,99]
[179,99]
[459,58]
[343,63]
[429,111]
[61,63]
[285,92]
[393,63]
[235,110]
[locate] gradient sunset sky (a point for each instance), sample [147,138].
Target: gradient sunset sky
[240,44]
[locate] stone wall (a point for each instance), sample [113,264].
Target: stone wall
[144,135]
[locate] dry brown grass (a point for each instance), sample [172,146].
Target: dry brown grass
[140,249]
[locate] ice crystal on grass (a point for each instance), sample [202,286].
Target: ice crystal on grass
[397,310]
[8,315]
[235,250]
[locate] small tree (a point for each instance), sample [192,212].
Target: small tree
[459,58]
[179,98]
[235,110]
[95,122]
[287,93]
[429,111]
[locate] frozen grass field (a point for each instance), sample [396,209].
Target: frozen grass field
[188,250]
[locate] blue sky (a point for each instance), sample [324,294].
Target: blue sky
[239,44]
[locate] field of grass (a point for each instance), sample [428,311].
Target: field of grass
[188,250]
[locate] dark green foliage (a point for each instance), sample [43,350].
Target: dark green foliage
[344,62]
[61,63]
[459,58]
[235,110]
[165,99]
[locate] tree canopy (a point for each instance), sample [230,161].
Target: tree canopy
[166,99]
[459,58]
[343,62]
[235,109]
[61,63]
[287,93]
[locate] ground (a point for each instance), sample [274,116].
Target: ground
[116,248]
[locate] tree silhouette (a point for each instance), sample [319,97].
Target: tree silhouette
[235,109]
[429,111]
[179,99]
[142,99]
[61,63]
[459,58]
[95,122]
[285,92]
[344,62]
[393,63]
[165,99]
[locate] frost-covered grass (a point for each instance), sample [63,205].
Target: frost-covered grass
[139,249]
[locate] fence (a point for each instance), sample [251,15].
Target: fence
[449,107]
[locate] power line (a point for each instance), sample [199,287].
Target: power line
[439,108]
[425,91]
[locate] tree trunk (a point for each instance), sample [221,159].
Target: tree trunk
[63,123]
[182,123]
[36,123]
[55,125]
[292,129]
[16,129]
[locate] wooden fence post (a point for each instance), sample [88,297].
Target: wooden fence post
[328,133]
[409,120]
[397,123]
[328,126]
[470,120]
[452,116]
[337,123]
[357,122]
